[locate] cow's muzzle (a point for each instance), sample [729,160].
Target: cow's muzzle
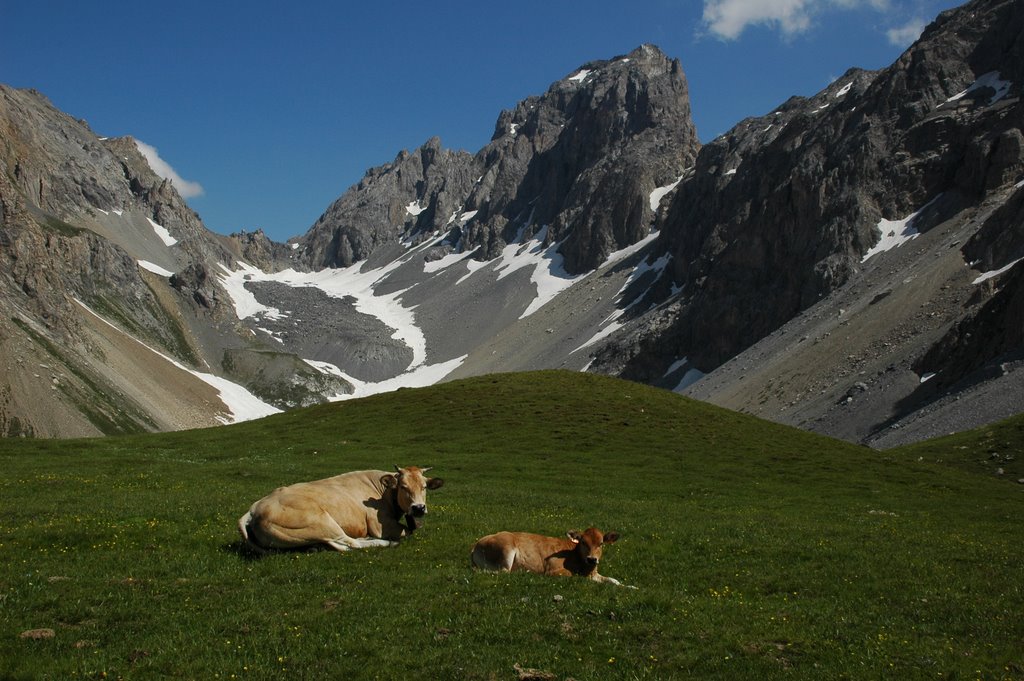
[418,510]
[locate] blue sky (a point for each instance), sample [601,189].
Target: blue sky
[269,111]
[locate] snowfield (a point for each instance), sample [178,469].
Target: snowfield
[162,232]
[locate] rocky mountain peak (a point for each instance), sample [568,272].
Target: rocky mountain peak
[582,160]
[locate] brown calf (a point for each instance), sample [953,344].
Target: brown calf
[577,554]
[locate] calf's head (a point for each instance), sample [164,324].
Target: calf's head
[589,543]
[411,485]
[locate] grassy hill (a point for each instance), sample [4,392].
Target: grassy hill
[759,551]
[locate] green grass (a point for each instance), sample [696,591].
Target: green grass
[996,449]
[759,551]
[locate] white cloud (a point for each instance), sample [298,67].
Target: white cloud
[186,188]
[902,36]
[727,19]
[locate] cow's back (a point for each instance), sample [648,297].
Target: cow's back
[520,551]
[308,512]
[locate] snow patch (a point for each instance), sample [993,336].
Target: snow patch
[513,128]
[689,378]
[473,266]
[155,269]
[461,218]
[991,80]
[845,89]
[624,253]
[995,273]
[447,261]
[927,377]
[245,302]
[658,194]
[162,232]
[414,208]
[581,76]
[548,273]
[612,323]
[895,233]
[421,376]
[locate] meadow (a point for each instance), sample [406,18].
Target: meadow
[758,551]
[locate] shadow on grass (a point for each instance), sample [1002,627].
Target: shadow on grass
[244,550]
[250,553]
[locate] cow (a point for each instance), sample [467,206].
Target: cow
[353,510]
[577,554]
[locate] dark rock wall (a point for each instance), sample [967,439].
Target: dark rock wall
[780,210]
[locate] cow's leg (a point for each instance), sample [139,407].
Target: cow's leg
[346,543]
[489,557]
[370,542]
[608,580]
[338,546]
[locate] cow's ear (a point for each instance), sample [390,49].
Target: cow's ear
[574,536]
[389,481]
[434,483]
[610,538]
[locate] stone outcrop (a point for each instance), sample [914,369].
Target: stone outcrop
[411,196]
[581,160]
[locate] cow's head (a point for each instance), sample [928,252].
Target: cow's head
[411,485]
[589,543]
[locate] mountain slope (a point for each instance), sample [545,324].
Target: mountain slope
[98,336]
[799,213]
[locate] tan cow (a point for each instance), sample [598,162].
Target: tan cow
[577,554]
[348,511]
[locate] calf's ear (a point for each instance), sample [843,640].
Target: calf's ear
[610,538]
[434,483]
[389,481]
[574,536]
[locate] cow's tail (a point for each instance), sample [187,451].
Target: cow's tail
[244,523]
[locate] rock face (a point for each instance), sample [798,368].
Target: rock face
[580,161]
[778,246]
[410,196]
[778,212]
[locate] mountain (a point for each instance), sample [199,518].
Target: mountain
[578,163]
[843,263]
[112,318]
[786,227]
